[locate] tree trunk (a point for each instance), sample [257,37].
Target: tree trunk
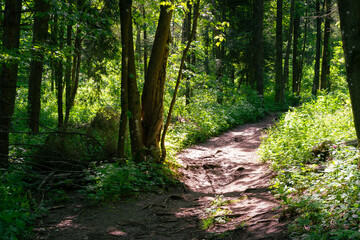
[259,46]
[325,68]
[57,40]
[301,63]
[279,90]
[75,73]
[125,8]
[145,44]
[8,74]
[289,43]
[182,61]
[138,47]
[67,75]
[296,72]
[153,93]
[318,50]
[184,39]
[137,147]
[206,50]
[349,20]
[40,34]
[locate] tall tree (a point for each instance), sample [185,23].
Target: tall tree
[153,93]
[325,67]
[349,21]
[289,43]
[185,38]
[296,58]
[259,45]
[129,86]
[316,81]
[40,35]
[8,73]
[279,88]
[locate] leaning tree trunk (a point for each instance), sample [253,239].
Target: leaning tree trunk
[349,21]
[8,74]
[153,93]
[316,81]
[325,68]
[40,34]
[279,90]
[182,63]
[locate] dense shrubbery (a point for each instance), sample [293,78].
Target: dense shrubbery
[16,213]
[319,188]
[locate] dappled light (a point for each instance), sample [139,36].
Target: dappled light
[179,119]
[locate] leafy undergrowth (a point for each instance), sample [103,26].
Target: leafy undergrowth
[16,206]
[318,180]
[109,182]
[198,122]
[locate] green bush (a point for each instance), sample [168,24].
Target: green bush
[111,182]
[16,215]
[323,193]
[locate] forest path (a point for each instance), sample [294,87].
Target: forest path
[221,177]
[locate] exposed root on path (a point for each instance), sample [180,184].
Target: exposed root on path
[225,195]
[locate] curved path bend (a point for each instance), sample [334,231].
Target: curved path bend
[224,183]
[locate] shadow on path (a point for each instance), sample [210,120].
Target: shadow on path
[225,167]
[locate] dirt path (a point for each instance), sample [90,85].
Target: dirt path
[223,184]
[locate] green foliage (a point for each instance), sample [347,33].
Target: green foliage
[323,193]
[111,182]
[16,214]
[216,213]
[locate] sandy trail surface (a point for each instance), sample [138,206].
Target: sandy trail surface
[225,188]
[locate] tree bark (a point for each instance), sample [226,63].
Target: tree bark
[289,43]
[349,22]
[124,7]
[259,46]
[185,38]
[40,34]
[296,71]
[67,75]
[325,68]
[301,63]
[316,81]
[75,74]
[279,90]
[137,147]
[145,44]
[57,40]
[153,93]
[8,74]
